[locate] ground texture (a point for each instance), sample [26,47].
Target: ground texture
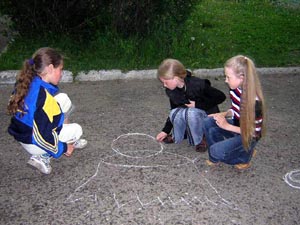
[125,177]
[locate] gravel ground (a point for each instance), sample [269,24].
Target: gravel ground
[125,177]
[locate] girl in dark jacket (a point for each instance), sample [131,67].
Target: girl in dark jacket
[191,99]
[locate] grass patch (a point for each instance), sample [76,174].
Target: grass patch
[215,31]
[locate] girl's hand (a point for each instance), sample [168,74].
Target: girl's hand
[221,114]
[191,105]
[221,121]
[161,136]
[212,115]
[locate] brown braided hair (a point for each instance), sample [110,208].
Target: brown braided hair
[35,66]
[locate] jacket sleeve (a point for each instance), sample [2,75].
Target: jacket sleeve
[211,97]
[168,126]
[48,120]
[177,99]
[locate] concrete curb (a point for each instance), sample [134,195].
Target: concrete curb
[9,76]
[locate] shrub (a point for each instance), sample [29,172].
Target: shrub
[84,17]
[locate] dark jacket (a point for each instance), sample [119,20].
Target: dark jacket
[196,89]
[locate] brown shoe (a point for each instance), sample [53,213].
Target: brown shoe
[168,139]
[210,163]
[202,147]
[242,166]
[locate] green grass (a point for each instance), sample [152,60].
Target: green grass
[215,31]
[268,34]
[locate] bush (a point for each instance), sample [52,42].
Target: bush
[84,17]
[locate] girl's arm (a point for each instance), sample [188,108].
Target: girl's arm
[168,126]
[222,122]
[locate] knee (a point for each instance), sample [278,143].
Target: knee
[197,112]
[208,122]
[77,130]
[64,101]
[196,116]
[214,153]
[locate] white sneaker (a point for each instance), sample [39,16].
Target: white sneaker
[81,143]
[42,163]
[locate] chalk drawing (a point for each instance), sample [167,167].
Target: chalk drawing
[292,178]
[141,174]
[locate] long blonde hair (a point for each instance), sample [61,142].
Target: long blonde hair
[42,58]
[170,68]
[251,89]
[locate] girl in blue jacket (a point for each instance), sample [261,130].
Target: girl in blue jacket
[39,112]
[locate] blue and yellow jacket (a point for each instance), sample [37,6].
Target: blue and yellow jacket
[42,119]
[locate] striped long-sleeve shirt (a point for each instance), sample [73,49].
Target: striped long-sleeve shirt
[235,96]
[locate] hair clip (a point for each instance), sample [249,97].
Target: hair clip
[31,62]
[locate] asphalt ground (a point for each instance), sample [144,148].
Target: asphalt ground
[124,176]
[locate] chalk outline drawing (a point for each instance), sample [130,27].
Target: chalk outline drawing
[156,200]
[292,179]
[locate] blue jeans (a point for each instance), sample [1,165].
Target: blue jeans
[187,121]
[226,146]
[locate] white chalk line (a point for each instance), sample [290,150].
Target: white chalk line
[82,185]
[187,161]
[291,180]
[224,201]
[135,134]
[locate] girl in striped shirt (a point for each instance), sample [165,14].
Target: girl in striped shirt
[232,135]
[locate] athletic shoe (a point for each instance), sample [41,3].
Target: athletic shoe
[41,162]
[81,143]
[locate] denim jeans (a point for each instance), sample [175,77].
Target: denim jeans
[225,146]
[188,121]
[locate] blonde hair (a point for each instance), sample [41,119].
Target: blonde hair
[170,68]
[251,89]
[42,58]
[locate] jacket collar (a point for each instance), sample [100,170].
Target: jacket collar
[52,89]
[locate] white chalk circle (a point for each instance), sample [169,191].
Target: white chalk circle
[138,150]
[292,178]
[136,145]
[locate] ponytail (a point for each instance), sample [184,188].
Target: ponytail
[23,81]
[35,66]
[251,91]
